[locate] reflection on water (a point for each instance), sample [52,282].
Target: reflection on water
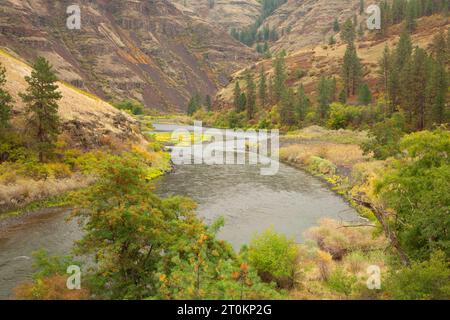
[290,201]
[48,230]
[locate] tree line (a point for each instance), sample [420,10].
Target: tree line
[252,34]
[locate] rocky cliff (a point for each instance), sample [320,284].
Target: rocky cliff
[226,14]
[145,50]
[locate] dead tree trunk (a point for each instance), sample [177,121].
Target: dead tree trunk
[380,215]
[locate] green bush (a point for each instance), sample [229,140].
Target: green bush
[423,280]
[274,256]
[322,166]
[416,186]
[341,282]
[384,137]
[343,116]
[132,107]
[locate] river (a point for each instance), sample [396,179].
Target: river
[290,202]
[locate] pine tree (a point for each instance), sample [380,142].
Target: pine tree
[6,101]
[279,77]
[41,98]
[336,26]
[437,93]
[303,104]
[384,74]
[398,10]
[262,88]
[404,50]
[439,80]
[287,108]
[208,103]
[237,97]
[193,105]
[323,97]
[343,96]
[420,72]
[411,23]
[364,95]
[251,96]
[348,32]
[351,70]
[386,18]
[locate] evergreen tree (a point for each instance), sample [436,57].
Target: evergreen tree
[336,26]
[251,96]
[331,41]
[364,95]
[351,70]
[41,98]
[324,89]
[439,80]
[361,7]
[208,103]
[411,23]
[414,93]
[287,108]
[303,104]
[384,74]
[398,10]
[386,17]
[404,50]
[279,77]
[262,88]
[237,97]
[343,96]
[193,105]
[348,32]
[5,101]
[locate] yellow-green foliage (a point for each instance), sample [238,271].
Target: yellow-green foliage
[167,138]
[322,166]
[27,180]
[274,256]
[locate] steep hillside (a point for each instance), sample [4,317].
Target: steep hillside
[146,50]
[303,23]
[326,60]
[87,121]
[224,13]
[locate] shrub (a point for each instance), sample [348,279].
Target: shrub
[423,280]
[130,106]
[274,256]
[384,137]
[342,116]
[337,240]
[342,282]
[322,166]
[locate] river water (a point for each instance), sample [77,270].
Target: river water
[289,202]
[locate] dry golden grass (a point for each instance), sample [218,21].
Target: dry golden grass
[25,191]
[345,155]
[339,240]
[331,248]
[50,288]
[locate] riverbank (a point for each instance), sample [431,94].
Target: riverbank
[335,156]
[30,186]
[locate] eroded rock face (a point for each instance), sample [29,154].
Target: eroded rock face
[142,49]
[302,23]
[226,14]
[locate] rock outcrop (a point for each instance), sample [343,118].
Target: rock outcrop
[145,50]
